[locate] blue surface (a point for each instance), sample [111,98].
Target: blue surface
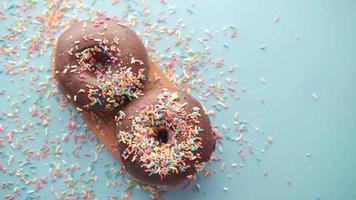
[310,50]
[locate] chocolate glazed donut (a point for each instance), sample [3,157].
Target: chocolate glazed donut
[164,137]
[100,65]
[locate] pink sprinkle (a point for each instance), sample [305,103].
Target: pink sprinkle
[65,138]
[231,89]
[44,180]
[72,124]
[234,33]
[241,150]
[250,150]
[38,187]
[35,111]
[276,19]
[9,197]
[218,136]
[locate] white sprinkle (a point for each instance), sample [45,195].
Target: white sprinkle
[220,149]
[9,160]
[238,138]
[265,173]
[132,60]
[225,189]
[222,104]
[236,116]
[315,97]
[289,181]
[263,81]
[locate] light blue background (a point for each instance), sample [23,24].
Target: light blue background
[312,49]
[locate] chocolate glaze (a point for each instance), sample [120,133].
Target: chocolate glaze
[207,135]
[88,34]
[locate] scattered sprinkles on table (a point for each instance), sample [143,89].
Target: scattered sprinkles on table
[38,159]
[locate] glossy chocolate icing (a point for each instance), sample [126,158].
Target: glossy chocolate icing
[100,35]
[135,169]
[89,36]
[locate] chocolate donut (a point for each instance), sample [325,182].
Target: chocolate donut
[100,64]
[164,137]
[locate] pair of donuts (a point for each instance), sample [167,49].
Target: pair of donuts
[163,135]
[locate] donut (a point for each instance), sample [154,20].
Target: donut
[100,65]
[164,137]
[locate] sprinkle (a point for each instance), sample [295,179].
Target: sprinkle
[315,97]
[276,19]
[196,188]
[221,104]
[233,33]
[263,81]
[222,166]
[183,64]
[113,87]
[263,47]
[269,140]
[264,173]
[289,181]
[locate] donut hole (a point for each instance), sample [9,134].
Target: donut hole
[162,135]
[95,58]
[100,57]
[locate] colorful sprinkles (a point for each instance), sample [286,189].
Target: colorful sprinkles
[181,127]
[39,160]
[113,85]
[116,87]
